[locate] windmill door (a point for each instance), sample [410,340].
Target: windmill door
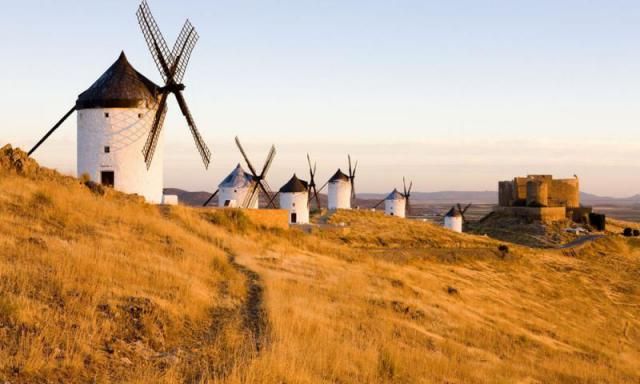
[107,178]
[294,218]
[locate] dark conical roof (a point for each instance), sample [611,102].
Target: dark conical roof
[121,86]
[339,176]
[453,212]
[295,185]
[395,195]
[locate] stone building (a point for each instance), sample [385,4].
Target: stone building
[542,197]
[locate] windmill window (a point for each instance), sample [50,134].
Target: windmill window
[106,115]
[293,204]
[235,191]
[139,115]
[107,149]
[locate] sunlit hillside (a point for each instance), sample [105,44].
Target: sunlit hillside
[96,286]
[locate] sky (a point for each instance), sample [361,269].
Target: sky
[454,95]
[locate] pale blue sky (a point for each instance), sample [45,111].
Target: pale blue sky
[453,94]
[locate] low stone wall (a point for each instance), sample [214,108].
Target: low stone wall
[545,214]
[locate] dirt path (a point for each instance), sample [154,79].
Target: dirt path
[580,241]
[253,312]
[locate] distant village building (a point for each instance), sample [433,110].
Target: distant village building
[294,197]
[453,220]
[115,116]
[339,193]
[395,204]
[542,197]
[236,188]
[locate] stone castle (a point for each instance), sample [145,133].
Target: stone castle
[542,197]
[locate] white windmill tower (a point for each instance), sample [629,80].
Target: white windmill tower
[294,197]
[395,204]
[120,117]
[341,188]
[234,190]
[454,219]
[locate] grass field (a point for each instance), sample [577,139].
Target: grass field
[104,288]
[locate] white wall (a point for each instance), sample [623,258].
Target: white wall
[237,197]
[395,207]
[297,203]
[339,195]
[125,131]
[453,223]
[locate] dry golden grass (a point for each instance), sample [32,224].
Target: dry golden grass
[107,289]
[537,316]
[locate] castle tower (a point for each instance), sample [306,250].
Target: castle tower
[235,190]
[339,193]
[395,204]
[294,197]
[115,116]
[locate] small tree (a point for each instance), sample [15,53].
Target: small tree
[636,232]
[628,232]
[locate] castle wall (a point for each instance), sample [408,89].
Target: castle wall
[505,193]
[565,192]
[544,214]
[537,193]
[520,189]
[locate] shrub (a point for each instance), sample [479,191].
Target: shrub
[94,187]
[231,219]
[636,232]
[41,199]
[628,232]
[504,250]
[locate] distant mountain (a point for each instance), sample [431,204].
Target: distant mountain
[188,198]
[477,197]
[591,199]
[440,197]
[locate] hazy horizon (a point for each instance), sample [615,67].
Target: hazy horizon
[455,96]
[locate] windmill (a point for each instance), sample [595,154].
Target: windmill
[313,192]
[454,218]
[259,178]
[407,195]
[397,203]
[234,189]
[123,108]
[172,66]
[341,191]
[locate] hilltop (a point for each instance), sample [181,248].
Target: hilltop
[96,285]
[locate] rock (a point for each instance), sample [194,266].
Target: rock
[16,160]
